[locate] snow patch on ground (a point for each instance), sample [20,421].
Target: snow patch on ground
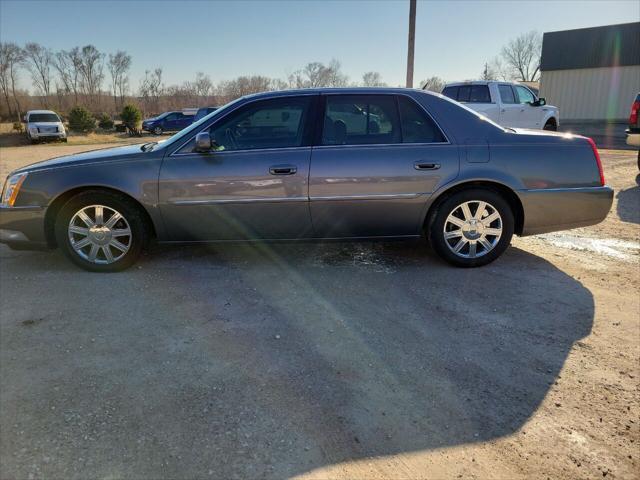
[610,247]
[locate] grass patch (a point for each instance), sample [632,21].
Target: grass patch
[10,138]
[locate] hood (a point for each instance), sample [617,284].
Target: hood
[92,156]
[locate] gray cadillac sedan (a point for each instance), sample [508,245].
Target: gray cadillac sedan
[353,163]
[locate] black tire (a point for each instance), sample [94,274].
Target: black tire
[551,125]
[436,226]
[157,131]
[128,209]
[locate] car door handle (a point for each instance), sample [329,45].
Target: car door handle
[283,170]
[426,166]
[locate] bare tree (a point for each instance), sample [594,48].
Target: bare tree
[151,88]
[119,65]
[91,71]
[522,56]
[38,60]
[11,56]
[317,74]
[241,86]
[373,79]
[67,64]
[433,84]
[203,86]
[495,70]
[5,79]
[334,75]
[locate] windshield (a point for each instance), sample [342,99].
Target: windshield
[196,125]
[44,117]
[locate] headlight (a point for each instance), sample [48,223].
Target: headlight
[33,129]
[12,188]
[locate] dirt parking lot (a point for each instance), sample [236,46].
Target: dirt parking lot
[340,361]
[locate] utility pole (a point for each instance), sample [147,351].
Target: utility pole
[412,42]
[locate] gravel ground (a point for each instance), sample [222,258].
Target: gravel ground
[365,360]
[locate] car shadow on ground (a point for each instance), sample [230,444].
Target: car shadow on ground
[274,360]
[629,203]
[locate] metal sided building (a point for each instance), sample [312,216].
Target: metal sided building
[592,74]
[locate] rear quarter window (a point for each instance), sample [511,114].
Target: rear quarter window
[451,92]
[417,126]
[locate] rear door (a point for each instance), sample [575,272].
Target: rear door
[170,122]
[377,160]
[478,98]
[184,121]
[510,111]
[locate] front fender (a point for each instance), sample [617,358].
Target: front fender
[136,178]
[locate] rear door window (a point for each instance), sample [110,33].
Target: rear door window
[480,94]
[506,94]
[360,120]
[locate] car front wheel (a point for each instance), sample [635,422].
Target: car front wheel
[157,131]
[101,231]
[471,228]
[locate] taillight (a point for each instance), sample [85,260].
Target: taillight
[598,161]
[633,118]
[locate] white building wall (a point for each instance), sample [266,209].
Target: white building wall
[592,93]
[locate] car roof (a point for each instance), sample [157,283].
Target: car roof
[40,111]
[473,82]
[334,90]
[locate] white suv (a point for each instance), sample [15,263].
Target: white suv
[508,104]
[44,125]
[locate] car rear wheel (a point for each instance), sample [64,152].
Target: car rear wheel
[157,130]
[471,228]
[101,231]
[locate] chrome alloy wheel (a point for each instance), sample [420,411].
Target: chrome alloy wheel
[473,229]
[99,234]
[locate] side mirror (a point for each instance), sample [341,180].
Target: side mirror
[541,102]
[203,142]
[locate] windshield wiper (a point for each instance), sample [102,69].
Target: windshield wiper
[149,146]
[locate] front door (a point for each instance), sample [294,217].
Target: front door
[510,109]
[379,158]
[253,185]
[531,116]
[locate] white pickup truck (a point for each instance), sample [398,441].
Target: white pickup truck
[507,104]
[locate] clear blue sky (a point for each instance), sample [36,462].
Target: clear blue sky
[273,38]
